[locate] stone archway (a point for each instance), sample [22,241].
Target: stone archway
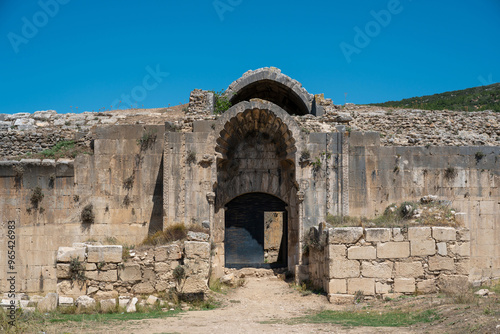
[256,153]
[271,85]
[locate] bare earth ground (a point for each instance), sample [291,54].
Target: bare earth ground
[264,304]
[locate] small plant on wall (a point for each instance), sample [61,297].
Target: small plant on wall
[87,215]
[222,103]
[450,173]
[191,157]
[18,175]
[147,140]
[76,270]
[36,197]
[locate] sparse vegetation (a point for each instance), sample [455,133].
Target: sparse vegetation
[222,103]
[128,183]
[450,173]
[76,270]
[316,164]
[63,149]
[170,234]
[367,318]
[191,157]
[471,99]
[179,275]
[36,197]
[305,156]
[406,214]
[87,214]
[479,156]
[147,140]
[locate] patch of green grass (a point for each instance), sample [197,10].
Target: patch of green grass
[369,318]
[105,317]
[63,149]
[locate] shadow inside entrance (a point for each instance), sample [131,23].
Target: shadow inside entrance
[256,232]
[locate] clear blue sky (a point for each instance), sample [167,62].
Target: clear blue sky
[88,54]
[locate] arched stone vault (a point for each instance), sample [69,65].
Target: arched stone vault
[256,122]
[256,145]
[271,85]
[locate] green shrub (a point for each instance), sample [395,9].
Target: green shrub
[222,103]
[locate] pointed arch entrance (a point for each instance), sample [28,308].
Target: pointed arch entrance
[256,187]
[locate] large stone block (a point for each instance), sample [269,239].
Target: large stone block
[422,247]
[404,285]
[344,268]
[130,272]
[49,303]
[362,253]
[336,251]
[377,270]
[344,235]
[463,234]
[427,286]
[408,269]
[100,295]
[72,288]
[444,233]
[393,250]
[340,299]
[462,249]
[108,305]
[382,288]
[365,285]
[419,233]
[63,270]
[65,254]
[337,286]
[197,249]
[168,252]
[102,276]
[397,234]
[441,263]
[442,249]
[85,303]
[143,288]
[98,254]
[378,234]
[453,283]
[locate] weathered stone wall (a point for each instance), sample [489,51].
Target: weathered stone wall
[148,270]
[122,180]
[469,177]
[387,261]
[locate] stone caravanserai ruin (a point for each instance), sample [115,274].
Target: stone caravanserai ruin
[259,178]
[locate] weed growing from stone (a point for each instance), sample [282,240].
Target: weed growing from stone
[147,140]
[36,197]
[450,173]
[87,215]
[170,234]
[222,103]
[76,270]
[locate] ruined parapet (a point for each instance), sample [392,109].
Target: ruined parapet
[201,102]
[270,84]
[387,261]
[109,271]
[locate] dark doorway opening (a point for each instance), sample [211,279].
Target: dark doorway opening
[256,226]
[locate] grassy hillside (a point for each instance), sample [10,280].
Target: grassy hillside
[470,99]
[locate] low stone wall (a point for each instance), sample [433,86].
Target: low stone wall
[387,261]
[147,271]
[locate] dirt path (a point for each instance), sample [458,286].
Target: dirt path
[258,307]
